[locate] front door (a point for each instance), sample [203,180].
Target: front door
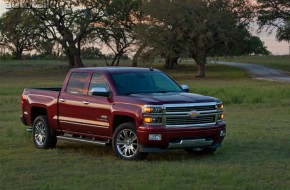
[96,109]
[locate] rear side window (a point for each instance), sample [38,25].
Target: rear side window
[76,83]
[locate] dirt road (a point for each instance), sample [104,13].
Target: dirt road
[260,72]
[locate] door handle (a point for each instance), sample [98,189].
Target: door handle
[62,99]
[86,102]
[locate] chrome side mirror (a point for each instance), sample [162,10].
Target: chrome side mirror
[185,87]
[99,91]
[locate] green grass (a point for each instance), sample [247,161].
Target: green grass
[255,153]
[278,62]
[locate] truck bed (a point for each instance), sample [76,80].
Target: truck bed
[58,89]
[46,98]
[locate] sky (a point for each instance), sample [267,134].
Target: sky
[277,48]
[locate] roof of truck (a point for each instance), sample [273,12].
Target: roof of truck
[116,69]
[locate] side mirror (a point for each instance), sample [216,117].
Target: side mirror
[185,87]
[99,91]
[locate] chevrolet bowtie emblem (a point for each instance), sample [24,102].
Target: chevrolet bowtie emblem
[193,114]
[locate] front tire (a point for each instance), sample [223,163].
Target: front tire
[42,134]
[125,143]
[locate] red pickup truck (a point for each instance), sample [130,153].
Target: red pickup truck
[136,110]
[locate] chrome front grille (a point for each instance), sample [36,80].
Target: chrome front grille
[190,108]
[191,115]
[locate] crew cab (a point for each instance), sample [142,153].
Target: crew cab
[135,110]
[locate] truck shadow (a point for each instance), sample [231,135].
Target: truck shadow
[175,155]
[85,149]
[100,151]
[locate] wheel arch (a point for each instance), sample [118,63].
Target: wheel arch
[37,111]
[120,119]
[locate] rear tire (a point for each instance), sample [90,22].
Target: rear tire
[43,137]
[125,143]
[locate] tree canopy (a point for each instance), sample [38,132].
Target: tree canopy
[193,28]
[71,23]
[19,29]
[275,14]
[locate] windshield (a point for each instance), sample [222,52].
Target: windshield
[147,82]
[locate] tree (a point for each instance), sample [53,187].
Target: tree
[72,23]
[244,44]
[68,22]
[283,34]
[91,53]
[161,30]
[194,28]
[18,30]
[275,14]
[118,34]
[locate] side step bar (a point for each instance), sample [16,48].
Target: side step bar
[29,129]
[77,139]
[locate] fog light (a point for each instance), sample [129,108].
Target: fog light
[147,119]
[155,137]
[221,117]
[222,133]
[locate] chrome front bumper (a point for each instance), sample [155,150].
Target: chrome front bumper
[190,143]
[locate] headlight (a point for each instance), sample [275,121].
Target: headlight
[153,115]
[152,109]
[220,106]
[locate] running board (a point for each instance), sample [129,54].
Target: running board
[29,129]
[77,139]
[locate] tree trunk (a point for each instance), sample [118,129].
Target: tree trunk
[170,62]
[114,60]
[200,70]
[78,61]
[200,61]
[18,52]
[73,58]
[70,60]
[137,55]
[18,55]
[118,61]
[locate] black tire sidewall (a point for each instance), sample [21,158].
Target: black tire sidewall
[50,140]
[131,126]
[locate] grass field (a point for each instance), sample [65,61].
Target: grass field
[255,154]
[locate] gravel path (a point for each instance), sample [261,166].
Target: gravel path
[260,72]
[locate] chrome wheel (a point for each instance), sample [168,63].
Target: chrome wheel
[40,133]
[127,143]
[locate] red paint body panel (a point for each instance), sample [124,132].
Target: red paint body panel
[94,116]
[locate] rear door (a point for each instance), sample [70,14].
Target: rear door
[71,102]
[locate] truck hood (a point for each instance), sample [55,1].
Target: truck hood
[170,98]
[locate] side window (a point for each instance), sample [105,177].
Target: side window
[98,80]
[76,83]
